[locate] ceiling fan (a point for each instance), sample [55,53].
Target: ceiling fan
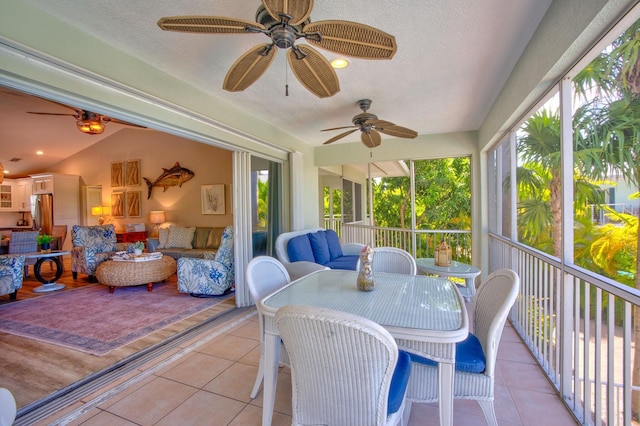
[284,22]
[87,122]
[371,127]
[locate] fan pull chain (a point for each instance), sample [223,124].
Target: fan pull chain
[286,79]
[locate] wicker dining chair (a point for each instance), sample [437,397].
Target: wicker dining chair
[475,356]
[392,259]
[345,369]
[264,275]
[59,232]
[24,242]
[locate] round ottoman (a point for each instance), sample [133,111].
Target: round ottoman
[123,274]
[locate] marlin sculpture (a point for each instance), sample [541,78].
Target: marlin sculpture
[170,177]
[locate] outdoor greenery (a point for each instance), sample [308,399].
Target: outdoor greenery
[606,141]
[443,196]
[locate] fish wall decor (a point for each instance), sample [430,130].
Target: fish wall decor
[176,175]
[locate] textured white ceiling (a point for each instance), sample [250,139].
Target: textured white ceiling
[453,58]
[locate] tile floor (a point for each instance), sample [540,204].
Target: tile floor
[207,381]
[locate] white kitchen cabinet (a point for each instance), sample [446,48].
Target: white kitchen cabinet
[6,195]
[42,184]
[22,195]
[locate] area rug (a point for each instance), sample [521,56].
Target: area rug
[92,320]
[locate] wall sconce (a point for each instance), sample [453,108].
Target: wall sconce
[100,211]
[156,217]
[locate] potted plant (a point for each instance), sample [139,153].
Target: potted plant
[44,240]
[138,246]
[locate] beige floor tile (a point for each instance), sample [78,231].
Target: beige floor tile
[514,351]
[540,408]
[235,382]
[203,408]
[153,401]
[197,369]
[230,347]
[106,419]
[251,415]
[282,403]
[248,330]
[252,358]
[525,376]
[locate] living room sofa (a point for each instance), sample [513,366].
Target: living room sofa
[308,250]
[178,241]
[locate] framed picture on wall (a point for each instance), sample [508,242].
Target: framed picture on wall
[117,204]
[133,203]
[212,198]
[132,173]
[117,174]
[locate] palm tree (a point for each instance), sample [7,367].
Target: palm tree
[612,124]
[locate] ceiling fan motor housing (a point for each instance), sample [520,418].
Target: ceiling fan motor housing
[282,34]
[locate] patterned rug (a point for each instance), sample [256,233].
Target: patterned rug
[92,320]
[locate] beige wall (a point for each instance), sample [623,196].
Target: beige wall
[156,151]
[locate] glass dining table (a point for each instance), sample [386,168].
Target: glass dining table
[425,315]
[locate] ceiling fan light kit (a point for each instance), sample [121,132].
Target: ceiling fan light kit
[284,22]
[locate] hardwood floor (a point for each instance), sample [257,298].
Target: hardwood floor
[34,370]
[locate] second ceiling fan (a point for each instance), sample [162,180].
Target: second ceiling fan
[284,22]
[371,127]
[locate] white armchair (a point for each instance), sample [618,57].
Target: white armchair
[345,369]
[475,356]
[392,259]
[264,276]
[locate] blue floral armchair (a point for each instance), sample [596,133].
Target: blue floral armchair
[92,245]
[209,277]
[11,274]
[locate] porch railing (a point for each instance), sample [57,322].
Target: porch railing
[425,240]
[578,326]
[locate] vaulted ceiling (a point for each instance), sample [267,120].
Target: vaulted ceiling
[452,60]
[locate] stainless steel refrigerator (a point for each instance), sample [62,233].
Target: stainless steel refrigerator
[42,213]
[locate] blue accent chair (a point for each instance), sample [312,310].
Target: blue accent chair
[209,277]
[92,245]
[11,274]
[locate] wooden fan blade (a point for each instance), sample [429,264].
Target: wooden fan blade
[248,68]
[51,113]
[353,39]
[338,128]
[207,24]
[340,136]
[314,72]
[126,123]
[397,131]
[371,139]
[298,10]
[379,123]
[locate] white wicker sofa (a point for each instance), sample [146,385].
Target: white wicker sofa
[297,269]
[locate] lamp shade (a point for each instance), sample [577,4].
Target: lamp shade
[100,210]
[157,216]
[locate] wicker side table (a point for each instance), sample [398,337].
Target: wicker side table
[125,274]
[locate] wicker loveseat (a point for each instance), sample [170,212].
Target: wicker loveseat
[303,252]
[178,241]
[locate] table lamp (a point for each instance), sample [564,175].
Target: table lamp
[100,211]
[156,217]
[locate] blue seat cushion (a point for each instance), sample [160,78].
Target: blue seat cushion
[335,249]
[399,382]
[469,356]
[299,249]
[348,262]
[319,247]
